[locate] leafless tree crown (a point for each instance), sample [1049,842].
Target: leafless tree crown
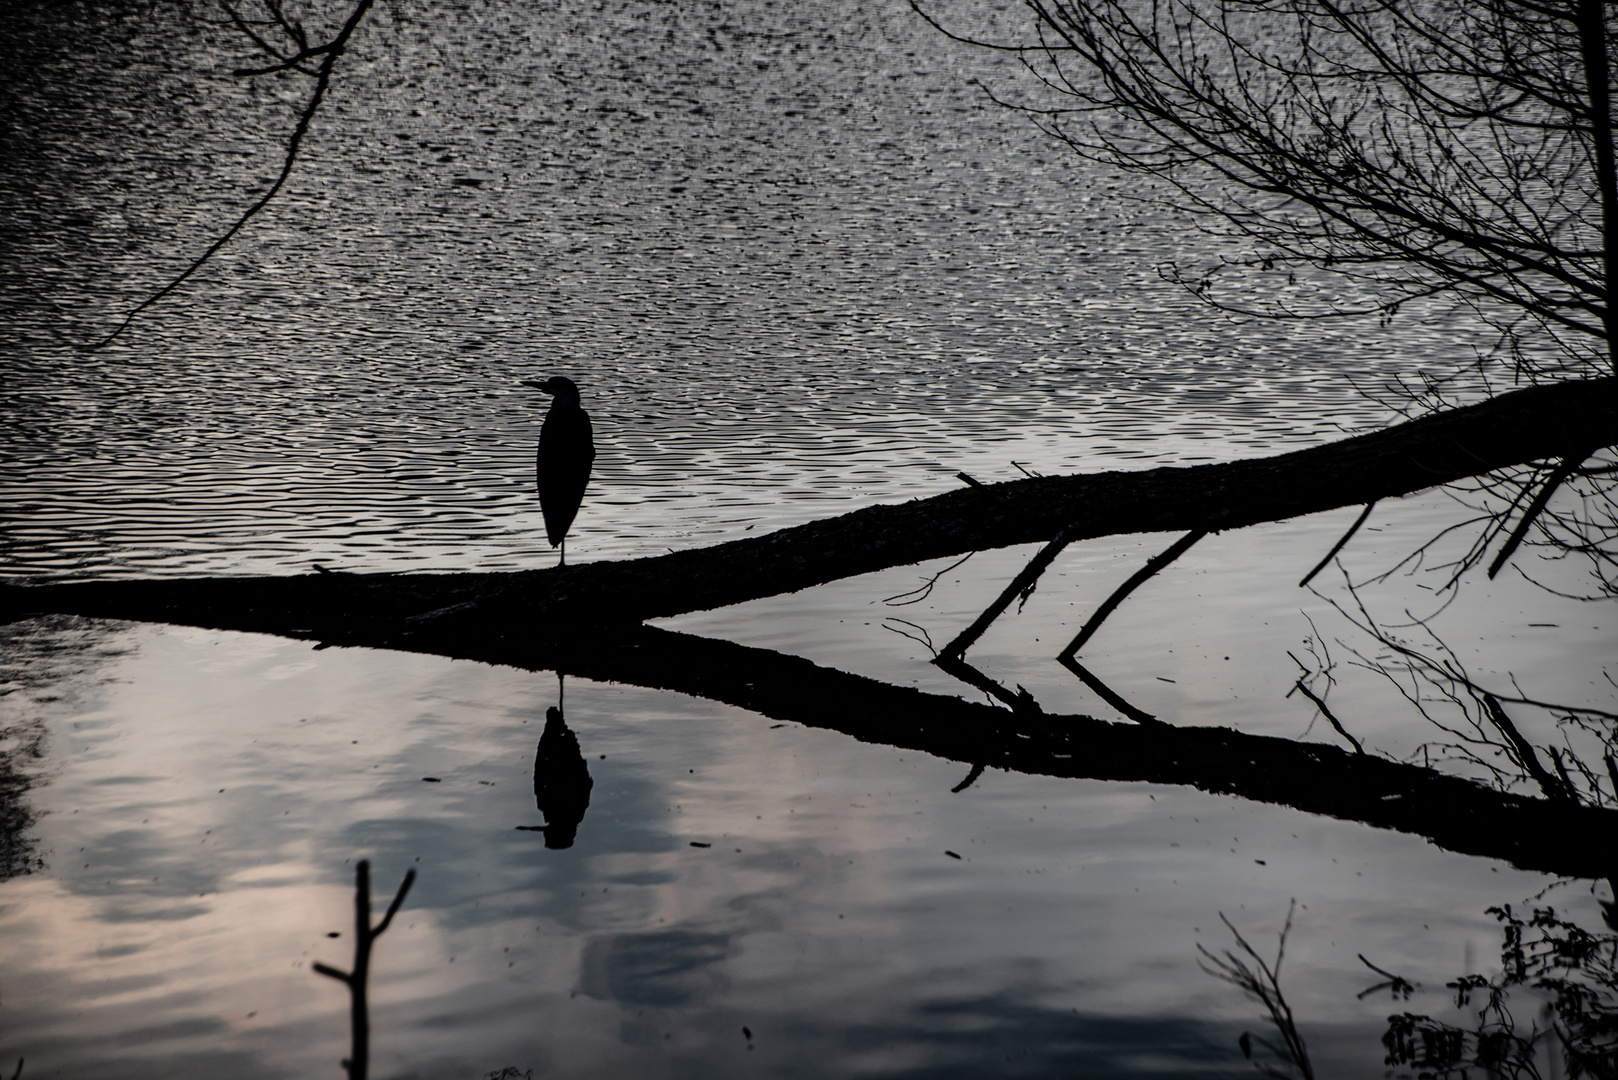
[1415,150]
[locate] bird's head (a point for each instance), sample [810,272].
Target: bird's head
[559,386]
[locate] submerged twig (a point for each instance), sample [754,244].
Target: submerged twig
[1341,543]
[1022,584]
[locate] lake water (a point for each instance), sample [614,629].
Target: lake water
[798,264]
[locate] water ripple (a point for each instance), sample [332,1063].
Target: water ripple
[794,275]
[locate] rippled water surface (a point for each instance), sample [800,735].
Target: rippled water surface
[799,264]
[795,259]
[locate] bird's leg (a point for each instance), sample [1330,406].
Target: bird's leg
[564,552]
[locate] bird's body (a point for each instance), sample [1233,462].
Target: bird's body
[566,451]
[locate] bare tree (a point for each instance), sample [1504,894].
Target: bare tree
[1414,150]
[1368,155]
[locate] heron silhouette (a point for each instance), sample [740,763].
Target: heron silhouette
[562,781]
[562,466]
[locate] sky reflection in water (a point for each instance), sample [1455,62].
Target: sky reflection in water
[798,266]
[206,790]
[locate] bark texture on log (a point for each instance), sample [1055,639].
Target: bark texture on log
[1513,428]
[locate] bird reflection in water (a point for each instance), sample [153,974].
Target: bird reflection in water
[561,781]
[562,466]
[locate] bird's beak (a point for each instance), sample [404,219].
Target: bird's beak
[536,385]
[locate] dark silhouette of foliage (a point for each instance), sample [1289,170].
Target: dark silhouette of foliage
[1573,970]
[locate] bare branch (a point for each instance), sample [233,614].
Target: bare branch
[332,52]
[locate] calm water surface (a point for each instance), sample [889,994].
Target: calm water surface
[798,265]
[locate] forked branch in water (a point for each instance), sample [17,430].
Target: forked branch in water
[358,1061]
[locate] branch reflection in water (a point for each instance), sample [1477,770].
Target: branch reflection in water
[357,979]
[1453,812]
[1250,973]
[1561,977]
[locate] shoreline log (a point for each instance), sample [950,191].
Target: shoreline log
[1511,429]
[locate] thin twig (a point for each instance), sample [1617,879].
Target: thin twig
[925,638]
[358,1061]
[1264,983]
[925,589]
[1327,713]
[1452,671]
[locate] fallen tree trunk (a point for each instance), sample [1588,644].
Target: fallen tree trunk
[1522,426]
[543,619]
